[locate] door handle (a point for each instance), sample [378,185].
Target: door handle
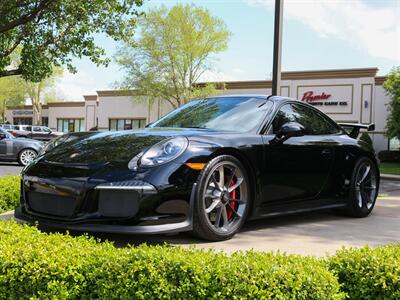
[326,153]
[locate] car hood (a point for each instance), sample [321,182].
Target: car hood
[110,147]
[25,141]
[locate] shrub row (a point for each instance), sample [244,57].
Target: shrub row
[368,273]
[40,266]
[9,193]
[389,156]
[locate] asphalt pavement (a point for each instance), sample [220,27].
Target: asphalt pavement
[9,168]
[316,233]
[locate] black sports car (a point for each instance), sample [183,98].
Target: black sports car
[207,167]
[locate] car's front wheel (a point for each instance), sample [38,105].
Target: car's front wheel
[364,188]
[26,156]
[223,199]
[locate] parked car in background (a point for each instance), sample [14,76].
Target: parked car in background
[22,150]
[41,133]
[8,127]
[14,128]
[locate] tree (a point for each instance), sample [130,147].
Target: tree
[173,49]
[41,92]
[11,93]
[52,32]
[392,87]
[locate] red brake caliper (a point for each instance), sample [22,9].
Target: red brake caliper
[232,204]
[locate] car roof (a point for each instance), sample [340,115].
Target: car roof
[269,97]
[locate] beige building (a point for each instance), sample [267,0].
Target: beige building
[350,95]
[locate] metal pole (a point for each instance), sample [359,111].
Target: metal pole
[4,111]
[276,66]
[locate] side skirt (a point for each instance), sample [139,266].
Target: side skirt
[294,208]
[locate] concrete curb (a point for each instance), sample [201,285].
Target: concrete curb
[390,177]
[7,215]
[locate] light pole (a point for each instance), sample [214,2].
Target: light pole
[4,110]
[276,64]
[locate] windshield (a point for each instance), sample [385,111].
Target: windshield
[6,133]
[240,114]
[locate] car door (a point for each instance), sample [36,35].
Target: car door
[3,145]
[6,145]
[298,168]
[47,133]
[37,133]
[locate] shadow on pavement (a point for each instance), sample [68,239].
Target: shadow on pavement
[187,238]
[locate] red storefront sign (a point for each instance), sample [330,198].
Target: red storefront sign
[309,96]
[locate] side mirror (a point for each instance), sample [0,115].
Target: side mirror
[287,131]
[2,136]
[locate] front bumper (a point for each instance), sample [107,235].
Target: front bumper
[114,213]
[186,225]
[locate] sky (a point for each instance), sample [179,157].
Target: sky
[317,35]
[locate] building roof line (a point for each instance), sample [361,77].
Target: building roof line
[379,80]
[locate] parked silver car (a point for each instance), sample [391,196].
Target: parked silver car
[22,150]
[41,133]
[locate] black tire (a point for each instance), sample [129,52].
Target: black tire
[366,187]
[231,209]
[22,160]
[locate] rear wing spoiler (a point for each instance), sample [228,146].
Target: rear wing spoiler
[353,129]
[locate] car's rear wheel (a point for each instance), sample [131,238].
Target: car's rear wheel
[223,199]
[364,188]
[26,156]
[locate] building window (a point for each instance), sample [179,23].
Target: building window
[45,121]
[394,144]
[22,121]
[126,124]
[70,125]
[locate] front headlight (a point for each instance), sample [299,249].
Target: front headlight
[160,153]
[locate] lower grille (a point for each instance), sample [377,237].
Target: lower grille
[62,206]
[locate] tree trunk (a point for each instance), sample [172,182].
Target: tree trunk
[37,112]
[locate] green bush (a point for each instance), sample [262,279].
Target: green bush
[42,266]
[389,156]
[368,273]
[38,265]
[367,139]
[9,193]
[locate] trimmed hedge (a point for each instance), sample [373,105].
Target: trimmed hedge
[9,193]
[38,265]
[368,273]
[41,266]
[389,156]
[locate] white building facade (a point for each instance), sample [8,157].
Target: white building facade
[349,95]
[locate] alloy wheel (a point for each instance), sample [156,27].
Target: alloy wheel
[365,185]
[27,156]
[225,197]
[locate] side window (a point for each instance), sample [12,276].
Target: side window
[284,115]
[314,123]
[37,129]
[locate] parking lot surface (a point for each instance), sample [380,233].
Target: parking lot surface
[317,233]
[9,168]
